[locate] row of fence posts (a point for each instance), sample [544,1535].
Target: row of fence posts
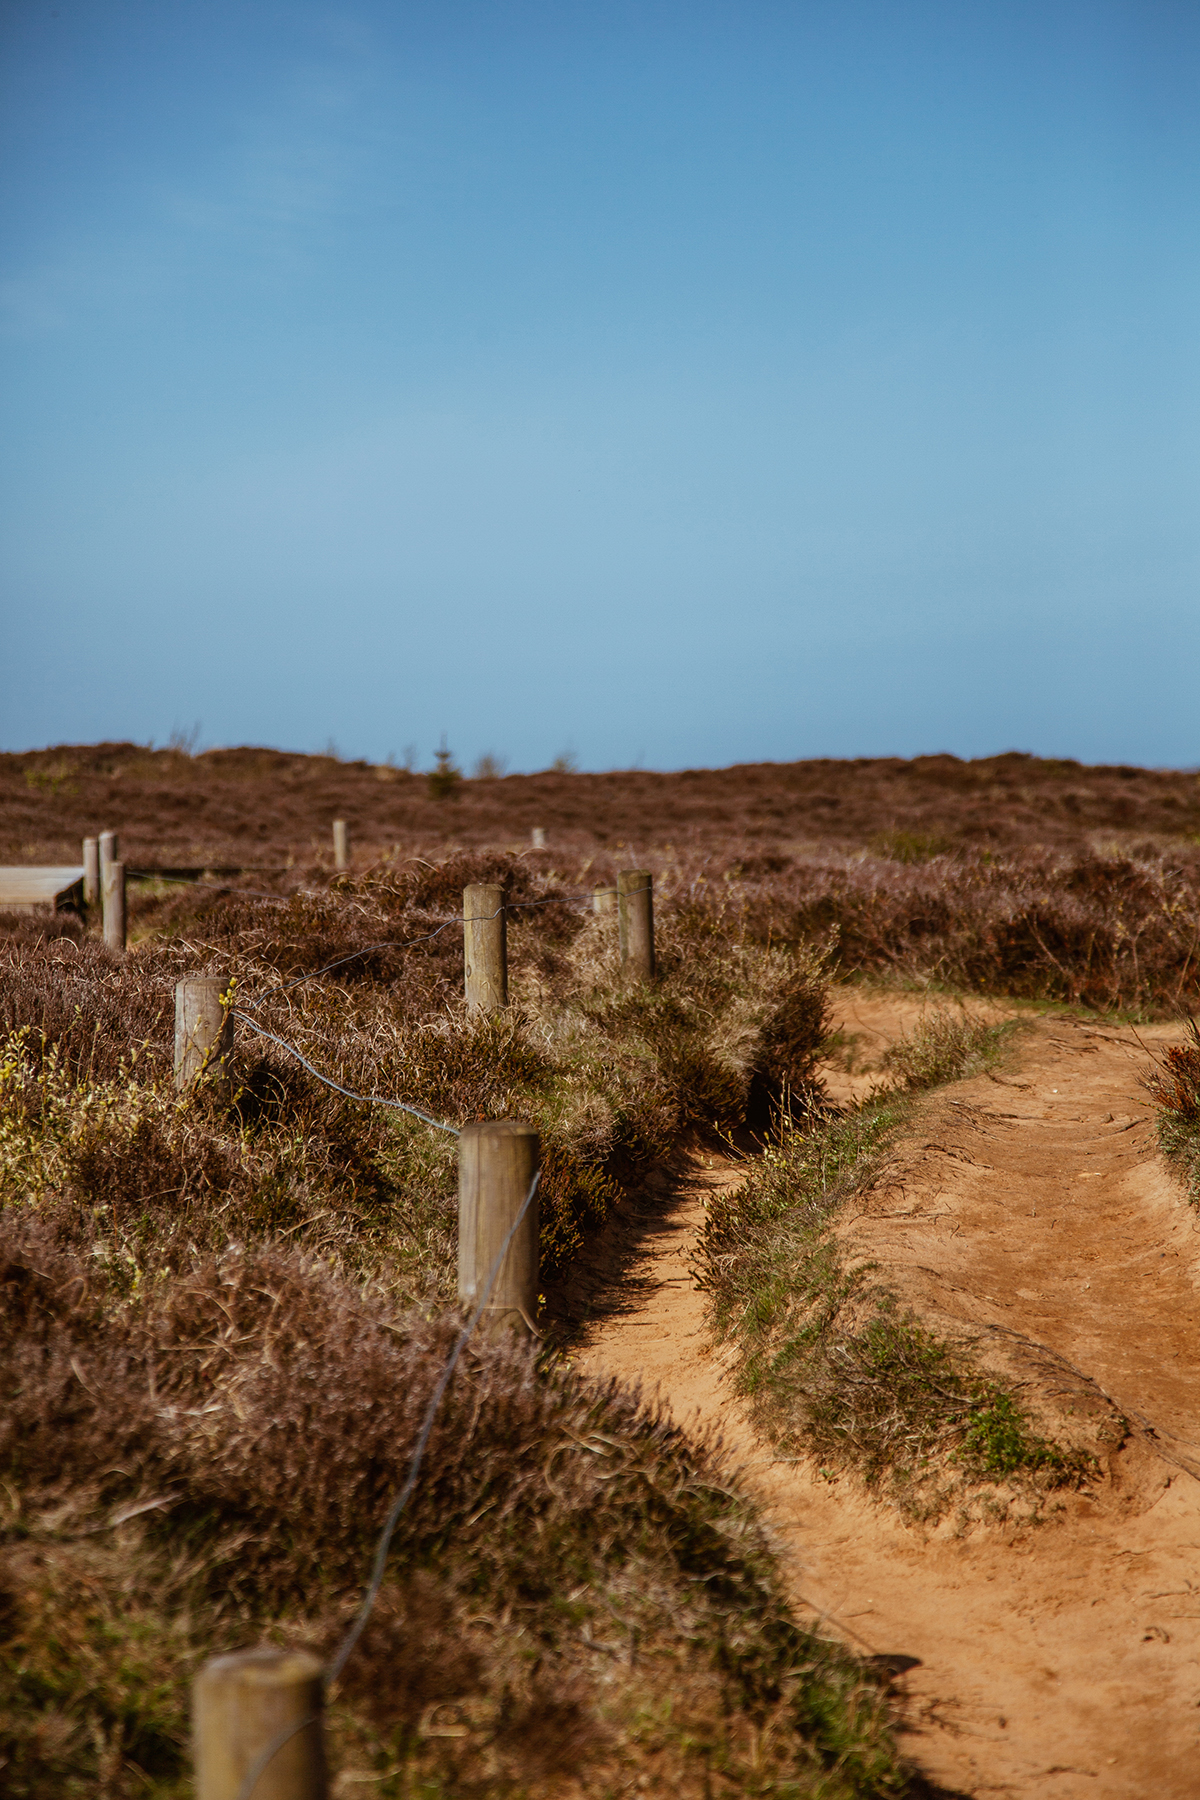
[104,884]
[341,842]
[247,1702]
[104,876]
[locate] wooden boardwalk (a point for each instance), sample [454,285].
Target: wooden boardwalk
[37,890]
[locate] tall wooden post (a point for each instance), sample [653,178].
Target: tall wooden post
[497,1161]
[203,1031]
[604,899]
[109,853]
[91,872]
[245,1703]
[112,901]
[341,844]
[485,948]
[635,910]
[538,837]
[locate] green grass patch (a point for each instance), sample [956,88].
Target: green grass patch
[832,1362]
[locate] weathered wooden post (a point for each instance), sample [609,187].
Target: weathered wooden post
[109,853]
[203,1030]
[538,837]
[341,845]
[497,1161]
[635,911]
[244,1704]
[91,872]
[112,903]
[604,899]
[485,948]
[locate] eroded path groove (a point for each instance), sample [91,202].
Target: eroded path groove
[1031,1209]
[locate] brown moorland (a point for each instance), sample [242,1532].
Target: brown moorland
[264,806]
[219,1322]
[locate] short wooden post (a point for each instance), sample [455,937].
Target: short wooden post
[203,1030]
[109,853]
[112,902]
[497,1162]
[485,948]
[635,909]
[244,1704]
[341,845]
[91,871]
[539,837]
[604,899]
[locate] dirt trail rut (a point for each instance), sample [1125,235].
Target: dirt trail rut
[1052,1661]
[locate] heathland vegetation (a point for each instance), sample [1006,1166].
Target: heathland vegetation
[221,1320]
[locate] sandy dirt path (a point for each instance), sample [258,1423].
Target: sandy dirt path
[1051,1661]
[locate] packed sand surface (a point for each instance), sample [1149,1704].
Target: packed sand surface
[1031,1211]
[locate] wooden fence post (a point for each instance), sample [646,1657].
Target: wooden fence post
[244,1703]
[497,1162]
[341,845]
[109,853]
[112,902]
[538,837]
[635,908]
[91,871]
[485,948]
[604,899]
[203,1030]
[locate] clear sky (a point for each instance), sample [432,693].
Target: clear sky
[668,383]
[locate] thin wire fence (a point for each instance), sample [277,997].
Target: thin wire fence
[427,937]
[368,1099]
[404,1494]
[384,1542]
[244,1010]
[216,887]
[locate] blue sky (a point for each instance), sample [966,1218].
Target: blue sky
[668,383]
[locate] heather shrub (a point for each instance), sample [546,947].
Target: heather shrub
[1105,932]
[1174,1084]
[207,1460]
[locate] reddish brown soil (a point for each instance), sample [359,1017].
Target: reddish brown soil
[1049,1660]
[262,806]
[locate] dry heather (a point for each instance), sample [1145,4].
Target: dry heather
[274,809]
[1174,1083]
[221,1321]
[1103,931]
[221,1324]
[1010,874]
[203,1463]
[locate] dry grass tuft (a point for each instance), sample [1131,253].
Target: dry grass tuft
[1174,1083]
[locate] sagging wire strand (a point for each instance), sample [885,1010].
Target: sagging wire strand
[384,1542]
[216,887]
[428,937]
[367,1099]
[243,1010]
